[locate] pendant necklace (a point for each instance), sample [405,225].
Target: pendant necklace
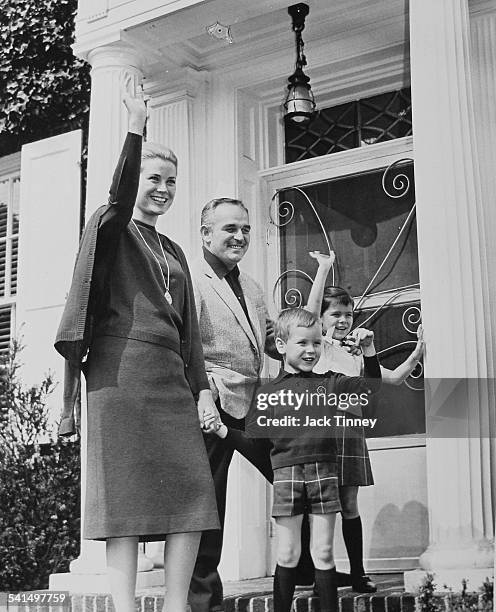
[167,294]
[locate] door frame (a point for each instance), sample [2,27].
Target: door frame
[315,170]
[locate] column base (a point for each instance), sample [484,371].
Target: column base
[446,579]
[98,583]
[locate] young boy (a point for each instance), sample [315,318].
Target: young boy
[303,464]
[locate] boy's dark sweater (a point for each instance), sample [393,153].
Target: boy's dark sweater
[305,447]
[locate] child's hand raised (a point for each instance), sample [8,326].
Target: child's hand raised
[418,351]
[325,261]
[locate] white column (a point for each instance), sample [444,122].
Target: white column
[456,308]
[175,121]
[111,65]
[483,34]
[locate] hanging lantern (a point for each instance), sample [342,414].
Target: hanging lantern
[300,103]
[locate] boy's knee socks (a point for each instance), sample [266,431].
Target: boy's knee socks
[284,586]
[327,586]
[353,539]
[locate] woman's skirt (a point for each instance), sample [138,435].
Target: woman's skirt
[147,469]
[353,460]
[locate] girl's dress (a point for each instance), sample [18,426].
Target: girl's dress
[354,467]
[147,469]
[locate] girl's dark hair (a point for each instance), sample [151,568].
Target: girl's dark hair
[340,295]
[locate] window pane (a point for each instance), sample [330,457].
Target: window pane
[16,184]
[13,277]
[2,268]
[5,316]
[350,125]
[361,223]
[385,117]
[400,409]
[4,203]
[332,130]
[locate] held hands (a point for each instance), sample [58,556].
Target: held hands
[324,261]
[213,424]
[207,412]
[134,101]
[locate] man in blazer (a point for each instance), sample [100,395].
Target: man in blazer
[236,331]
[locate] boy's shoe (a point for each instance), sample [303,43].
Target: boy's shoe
[363,584]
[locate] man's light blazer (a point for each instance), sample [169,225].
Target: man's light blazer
[233,346]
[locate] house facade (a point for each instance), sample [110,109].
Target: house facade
[396,175]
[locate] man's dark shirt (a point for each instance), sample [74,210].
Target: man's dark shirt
[231,276]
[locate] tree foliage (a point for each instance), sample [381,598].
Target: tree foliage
[39,486]
[44,88]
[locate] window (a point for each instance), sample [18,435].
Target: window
[348,126]
[9,244]
[6,313]
[361,223]
[368,219]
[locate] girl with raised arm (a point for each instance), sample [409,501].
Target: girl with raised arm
[335,307]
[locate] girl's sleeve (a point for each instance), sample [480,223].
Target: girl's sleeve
[358,384]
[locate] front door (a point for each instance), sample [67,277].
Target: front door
[360,204]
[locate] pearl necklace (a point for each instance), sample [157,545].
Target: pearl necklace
[167,294]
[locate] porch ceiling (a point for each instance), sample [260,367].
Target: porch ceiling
[261,29]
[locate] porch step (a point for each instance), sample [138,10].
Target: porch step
[390,601]
[256,596]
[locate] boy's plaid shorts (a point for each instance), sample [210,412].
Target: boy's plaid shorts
[307,487]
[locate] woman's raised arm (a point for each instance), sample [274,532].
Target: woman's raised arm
[125,181]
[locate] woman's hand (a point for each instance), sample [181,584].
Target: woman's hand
[208,414]
[134,101]
[324,261]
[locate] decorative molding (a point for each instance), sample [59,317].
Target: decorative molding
[92,10]
[165,88]
[339,164]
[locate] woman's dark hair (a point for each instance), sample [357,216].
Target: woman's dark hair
[340,295]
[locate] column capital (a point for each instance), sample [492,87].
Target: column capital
[115,55]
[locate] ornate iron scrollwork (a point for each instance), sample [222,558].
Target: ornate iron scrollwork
[399,186]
